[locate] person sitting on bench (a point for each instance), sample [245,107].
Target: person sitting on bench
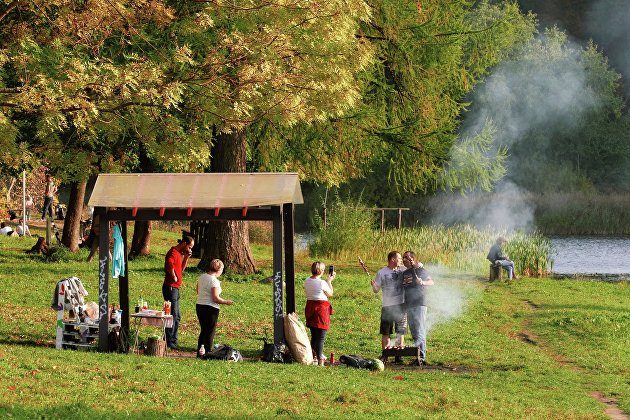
[497,257]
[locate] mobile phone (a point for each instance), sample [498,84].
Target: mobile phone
[331,270]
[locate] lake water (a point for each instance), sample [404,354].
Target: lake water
[592,255]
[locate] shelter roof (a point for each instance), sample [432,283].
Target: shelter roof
[195,190]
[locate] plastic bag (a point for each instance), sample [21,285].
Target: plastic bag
[224,352]
[276,353]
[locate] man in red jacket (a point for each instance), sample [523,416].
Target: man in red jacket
[174,266]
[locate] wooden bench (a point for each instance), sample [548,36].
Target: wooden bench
[199,232]
[403,351]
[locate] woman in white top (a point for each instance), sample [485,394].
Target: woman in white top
[208,301]
[318,308]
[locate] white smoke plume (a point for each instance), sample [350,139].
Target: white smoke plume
[447,298]
[544,91]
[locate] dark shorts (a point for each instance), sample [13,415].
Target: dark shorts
[391,315]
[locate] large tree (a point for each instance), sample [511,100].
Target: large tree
[98,78]
[428,56]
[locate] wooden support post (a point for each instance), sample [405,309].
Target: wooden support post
[278,298]
[103,278]
[382,220]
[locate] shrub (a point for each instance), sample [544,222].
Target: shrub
[348,227]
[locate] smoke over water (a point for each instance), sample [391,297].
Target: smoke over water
[544,91]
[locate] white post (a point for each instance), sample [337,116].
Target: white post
[61,296]
[23,203]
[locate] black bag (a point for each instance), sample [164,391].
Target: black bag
[225,352]
[356,361]
[276,353]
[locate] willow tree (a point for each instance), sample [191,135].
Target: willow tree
[82,84]
[103,81]
[428,56]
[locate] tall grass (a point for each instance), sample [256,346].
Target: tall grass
[583,214]
[350,232]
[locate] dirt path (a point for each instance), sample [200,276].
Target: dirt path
[612,410]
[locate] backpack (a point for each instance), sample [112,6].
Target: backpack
[357,361]
[224,352]
[276,353]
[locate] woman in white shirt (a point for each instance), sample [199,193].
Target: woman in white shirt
[318,308]
[208,301]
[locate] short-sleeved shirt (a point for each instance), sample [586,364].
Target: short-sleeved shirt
[414,293]
[21,231]
[388,280]
[173,261]
[205,284]
[314,289]
[50,189]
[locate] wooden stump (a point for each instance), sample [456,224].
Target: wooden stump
[495,272]
[156,347]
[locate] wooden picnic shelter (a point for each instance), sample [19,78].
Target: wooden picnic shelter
[197,197]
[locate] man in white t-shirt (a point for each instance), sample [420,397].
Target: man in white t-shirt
[392,310]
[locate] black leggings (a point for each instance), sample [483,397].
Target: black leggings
[207,316]
[317,341]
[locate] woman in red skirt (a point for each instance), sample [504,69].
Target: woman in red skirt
[318,308]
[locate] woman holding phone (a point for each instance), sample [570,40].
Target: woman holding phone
[318,308]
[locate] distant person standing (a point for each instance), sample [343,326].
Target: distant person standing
[497,257]
[392,310]
[28,206]
[49,193]
[174,266]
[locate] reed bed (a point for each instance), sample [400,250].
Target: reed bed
[583,213]
[463,248]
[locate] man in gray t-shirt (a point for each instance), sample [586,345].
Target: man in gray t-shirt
[392,311]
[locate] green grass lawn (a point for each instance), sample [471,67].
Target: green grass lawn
[535,348]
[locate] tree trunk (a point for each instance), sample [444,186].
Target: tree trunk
[140,243]
[229,241]
[72,221]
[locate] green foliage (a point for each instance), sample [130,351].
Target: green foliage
[428,56]
[348,226]
[532,253]
[472,165]
[106,85]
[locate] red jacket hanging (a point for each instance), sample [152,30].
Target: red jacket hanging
[317,314]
